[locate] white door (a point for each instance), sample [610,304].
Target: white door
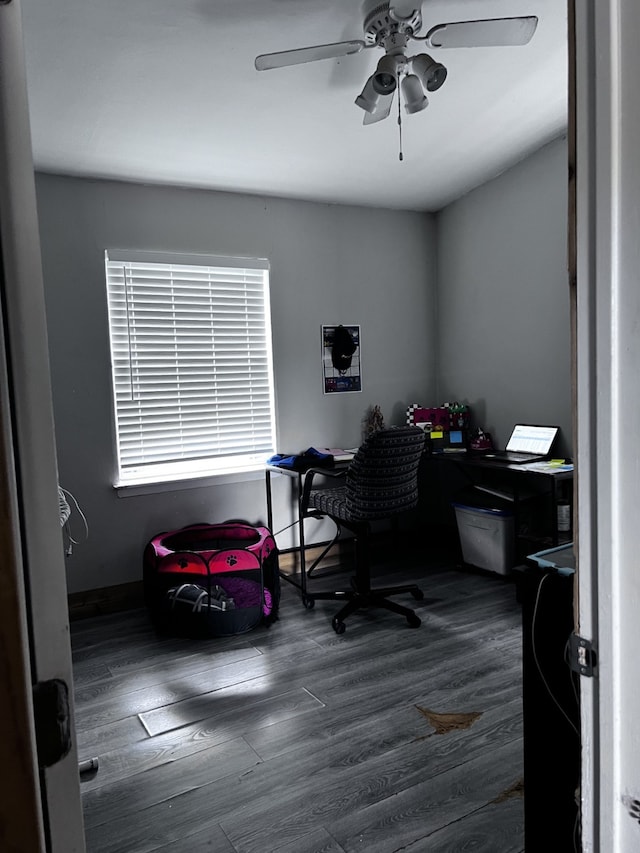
[608,415]
[40,807]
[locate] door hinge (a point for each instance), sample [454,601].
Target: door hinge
[52,720]
[582,655]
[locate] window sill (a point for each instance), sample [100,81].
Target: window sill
[189,481]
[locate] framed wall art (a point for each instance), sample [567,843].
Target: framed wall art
[341,364]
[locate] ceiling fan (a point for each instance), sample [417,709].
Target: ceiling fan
[392,26]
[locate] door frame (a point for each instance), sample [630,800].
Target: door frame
[607,112]
[607,409]
[33,594]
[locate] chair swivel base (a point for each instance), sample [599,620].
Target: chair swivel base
[361,600]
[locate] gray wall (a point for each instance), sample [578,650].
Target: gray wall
[329,264]
[503,298]
[493,332]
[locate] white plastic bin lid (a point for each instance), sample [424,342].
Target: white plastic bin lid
[504,513]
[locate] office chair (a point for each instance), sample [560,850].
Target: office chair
[379,484]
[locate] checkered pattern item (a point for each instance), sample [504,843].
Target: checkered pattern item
[381,481]
[440,417]
[411,413]
[331,502]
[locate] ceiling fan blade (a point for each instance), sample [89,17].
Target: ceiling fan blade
[494,32]
[382,110]
[307,54]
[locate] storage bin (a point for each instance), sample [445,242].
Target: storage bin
[486,537]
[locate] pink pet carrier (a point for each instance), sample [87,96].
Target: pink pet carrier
[212,579]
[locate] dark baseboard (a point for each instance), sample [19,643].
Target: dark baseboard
[108,599]
[130,596]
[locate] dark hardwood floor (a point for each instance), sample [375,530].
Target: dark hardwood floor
[294,739]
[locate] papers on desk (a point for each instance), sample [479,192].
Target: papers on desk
[547,466]
[340,455]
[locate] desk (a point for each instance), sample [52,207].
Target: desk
[298,478]
[521,482]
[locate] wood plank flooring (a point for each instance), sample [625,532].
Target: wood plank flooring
[294,739]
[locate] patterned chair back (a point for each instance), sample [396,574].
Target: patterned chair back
[382,479]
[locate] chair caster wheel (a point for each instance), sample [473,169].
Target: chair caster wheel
[309,603]
[414,621]
[338,626]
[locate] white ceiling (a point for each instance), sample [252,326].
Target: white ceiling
[165,91]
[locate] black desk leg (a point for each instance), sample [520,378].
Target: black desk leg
[267,478]
[301,542]
[554,512]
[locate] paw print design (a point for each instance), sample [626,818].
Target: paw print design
[231,560]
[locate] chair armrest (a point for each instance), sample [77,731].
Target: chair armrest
[332,473]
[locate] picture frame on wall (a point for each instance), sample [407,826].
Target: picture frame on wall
[341,362]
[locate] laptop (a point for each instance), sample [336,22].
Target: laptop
[528,443]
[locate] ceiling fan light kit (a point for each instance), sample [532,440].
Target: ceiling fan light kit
[368,99]
[391,27]
[431,74]
[414,97]
[385,75]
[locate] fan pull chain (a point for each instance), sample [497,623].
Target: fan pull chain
[400,154]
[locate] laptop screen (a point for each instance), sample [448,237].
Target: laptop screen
[526,438]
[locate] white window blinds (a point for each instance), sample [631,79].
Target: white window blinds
[191,362]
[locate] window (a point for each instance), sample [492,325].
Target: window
[191,363]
